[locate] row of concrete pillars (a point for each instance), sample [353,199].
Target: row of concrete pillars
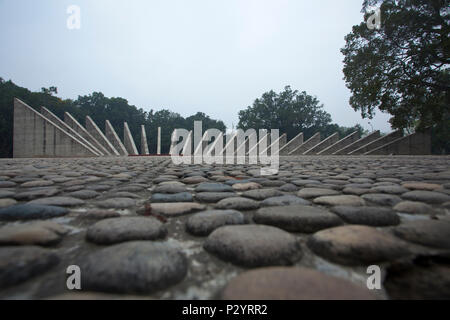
[45,135]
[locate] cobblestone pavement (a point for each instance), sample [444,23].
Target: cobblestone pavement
[142,227]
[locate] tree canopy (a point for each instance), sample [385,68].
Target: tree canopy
[402,67]
[291,112]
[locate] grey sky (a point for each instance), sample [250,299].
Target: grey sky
[184,55]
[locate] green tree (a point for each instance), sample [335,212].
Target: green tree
[403,67]
[289,111]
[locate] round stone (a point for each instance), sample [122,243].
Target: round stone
[283,201]
[133,267]
[246,186]
[37,183]
[84,194]
[413,207]
[342,200]
[7,184]
[288,187]
[382,199]
[393,189]
[292,283]
[237,203]
[100,214]
[261,194]
[297,218]
[254,245]
[213,196]
[174,209]
[308,193]
[31,211]
[213,187]
[426,196]
[170,188]
[371,216]
[7,202]
[58,201]
[116,230]
[356,245]
[422,186]
[203,223]
[117,203]
[357,191]
[434,233]
[175,197]
[36,193]
[6,194]
[301,183]
[42,233]
[194,180]
[18,264]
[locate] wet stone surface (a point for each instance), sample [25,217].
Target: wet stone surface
[144,227]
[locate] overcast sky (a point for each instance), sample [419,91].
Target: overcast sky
[214,56]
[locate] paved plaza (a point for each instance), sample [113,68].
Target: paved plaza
[143,227]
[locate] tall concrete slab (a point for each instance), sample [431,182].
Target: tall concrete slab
[229,150]
[259,146]
[158,147]
[294,143]
[187,148]
[323,144]
[340,144]
[418,143]
[311,142]
[112,137]
[52,117]
[95,131]
[359,143]
[281,143]
[77,127]
[128,141]
[36,136]
[144,143]
[378,142]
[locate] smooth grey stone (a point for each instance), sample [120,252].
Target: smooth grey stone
[31,211]
[58,201]
[213,196]
[357,245]
[237,203]
[426,196]
[213,187]
[116,230]
[203,223]
[117,203]
[170,188]
[141,267]
[370,216]
[253,245]
[297,218]
[382,199]
[434,233]
[176,197]
[261,194]
[18,264]
[286,200]
[84,194]
[36,193]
